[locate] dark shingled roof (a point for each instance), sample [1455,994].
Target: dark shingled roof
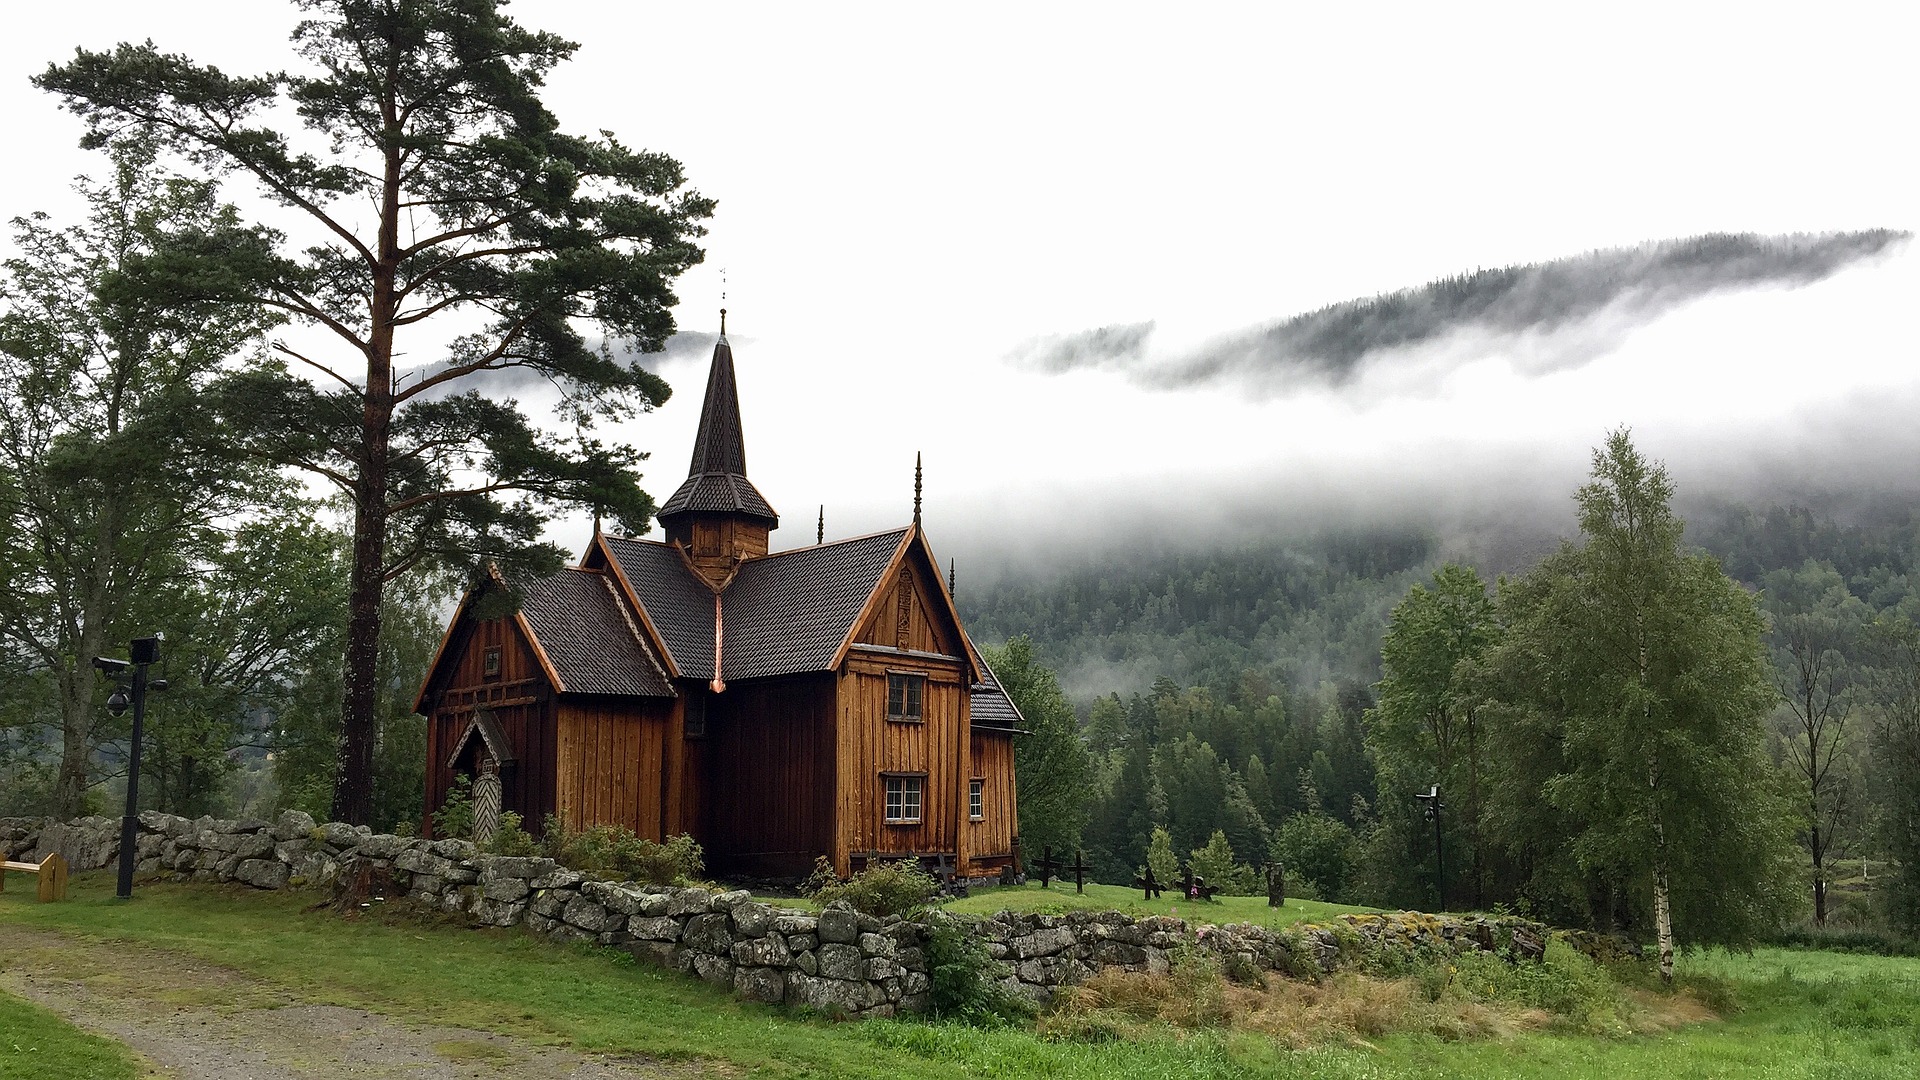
[578,618]
[788,613]
[717,477]
[679,604]
[991,707]
[785,613]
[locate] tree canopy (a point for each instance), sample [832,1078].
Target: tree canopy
[1642,664]
[422,193]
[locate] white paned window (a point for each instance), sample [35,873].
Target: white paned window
[977,799]
[904,798]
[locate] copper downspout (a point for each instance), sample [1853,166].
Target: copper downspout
[718,685]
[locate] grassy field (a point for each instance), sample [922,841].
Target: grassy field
[1802,1014]
[1061,898]
[37,1045]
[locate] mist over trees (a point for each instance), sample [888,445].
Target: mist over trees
[1310,688]
[1330,344]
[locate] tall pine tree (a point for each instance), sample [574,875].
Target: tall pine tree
[426,200]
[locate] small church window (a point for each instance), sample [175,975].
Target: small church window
[696,717]
[905,694]
[490,664]
[904,798]
[977,799]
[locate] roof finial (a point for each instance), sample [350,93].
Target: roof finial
[723,301]
[723,322]
[916,487]
[950,588]
[820,533]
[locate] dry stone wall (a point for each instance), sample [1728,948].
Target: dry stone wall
[835,960]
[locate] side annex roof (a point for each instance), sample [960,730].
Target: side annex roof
[579,629]
[578,617]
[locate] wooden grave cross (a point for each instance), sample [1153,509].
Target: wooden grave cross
[1049,866]
[1149,888]
[1079,869]
[1194,887]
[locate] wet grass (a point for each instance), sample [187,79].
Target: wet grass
[35,1044]
[1784,1014]
[1061,898]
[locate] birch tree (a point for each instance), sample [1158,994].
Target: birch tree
[1644,669]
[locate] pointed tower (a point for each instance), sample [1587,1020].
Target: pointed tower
[718,517]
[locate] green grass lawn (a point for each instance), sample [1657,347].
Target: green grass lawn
[37,1045]
[1805,1015]
[1061,898]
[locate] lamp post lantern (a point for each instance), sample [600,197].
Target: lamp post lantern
[145,653]
[1431,811]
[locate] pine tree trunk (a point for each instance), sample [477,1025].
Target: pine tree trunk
[353,785]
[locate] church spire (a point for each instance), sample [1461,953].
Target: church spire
[718,512]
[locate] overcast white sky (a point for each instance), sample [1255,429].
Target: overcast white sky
[907,194]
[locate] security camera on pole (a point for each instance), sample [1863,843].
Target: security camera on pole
[145,653]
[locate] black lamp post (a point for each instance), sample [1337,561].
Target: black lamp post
[1431,811]
[145,652]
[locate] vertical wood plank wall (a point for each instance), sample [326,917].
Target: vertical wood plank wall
[609,765]
[769,763]
[870,744]
[521,700]
[992,760]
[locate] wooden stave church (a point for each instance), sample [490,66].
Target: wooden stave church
[759,701]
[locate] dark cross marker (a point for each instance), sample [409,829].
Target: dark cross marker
[1079,869]
[1049,866]
[1149,888]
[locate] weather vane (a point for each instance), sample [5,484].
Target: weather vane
[723,301]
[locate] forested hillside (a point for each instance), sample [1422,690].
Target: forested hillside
[1235,690]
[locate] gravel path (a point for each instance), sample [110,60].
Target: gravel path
[197,1021]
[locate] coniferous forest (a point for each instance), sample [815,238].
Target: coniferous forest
[1290,698]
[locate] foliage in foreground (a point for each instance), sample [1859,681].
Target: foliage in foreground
[966,981]
[884,888]
[1797,1008]
[1470,996]
[615,850]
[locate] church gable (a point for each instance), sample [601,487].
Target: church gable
[910,610]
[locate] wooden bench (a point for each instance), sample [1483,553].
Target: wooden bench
[52,871]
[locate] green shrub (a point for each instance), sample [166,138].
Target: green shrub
[966,981]
[1315,848]
[884,888]
[1566,984]
[1216,864]
[454,819]
[510,838]
[1160,857]
[616,851]
[823,875]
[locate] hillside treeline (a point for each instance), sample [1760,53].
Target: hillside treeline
[1274,721]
